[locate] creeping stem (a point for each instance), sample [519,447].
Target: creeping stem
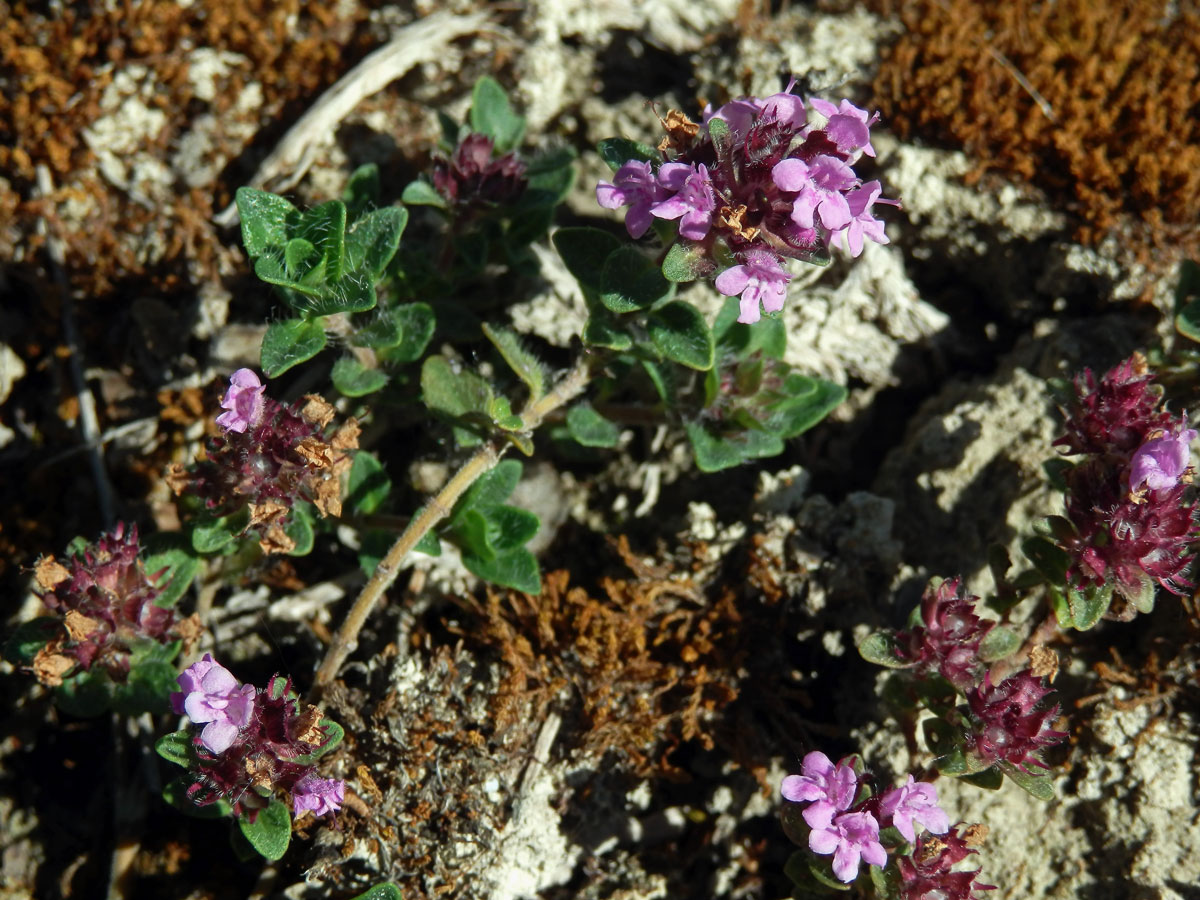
[484,459]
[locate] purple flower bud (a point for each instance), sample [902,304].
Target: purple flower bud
[1007,725]
[759,279]
[1161,463]
[635,186]
[693,201]
[210,694]
[850,837]
[243,400]
[321,795]
[915,801]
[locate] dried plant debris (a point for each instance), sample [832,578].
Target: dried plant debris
[94,94]
[1093,102]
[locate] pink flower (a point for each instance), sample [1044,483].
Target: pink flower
[915,801]
[820,185]
[634,186]
[850,837]
[693,202]
[243,400]
[1161,463]
[210,694]
[862,222]
[848,126]
[759,278]
[321,795]
[822,782]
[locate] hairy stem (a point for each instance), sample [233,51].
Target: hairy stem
[483,460]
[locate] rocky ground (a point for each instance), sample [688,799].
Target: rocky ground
[624,734]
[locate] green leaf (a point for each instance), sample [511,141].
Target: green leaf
[1040,786]
[289,343]
[1089,605]
[722,137]
[85,694]
[685,262]
[175,793]
[368,485]
[603,329]
[416,322]
[212,535]
[822,871]
[355,292]
[511,527]
[492,115]
[381,892]
[474,536]
[808,401]
[30,637]
[631,281]
[492,488]
[714,453]
[299,256]
[362,190]
[517,569]
[324,227]
[680,333]
[272,267]
[176,747]
[147,688]
[1187,322]
[618,151]
[527,366]
[174,564]
[353,379]
[1050,560]
[381,333]
[374,240]
[989,779]
[1143,601]
[300,529]
[429,545]
[941,738]
[590,428]
[740,339]
[453,392]
[267,220]
[584,252]
[422,193]
[880,648]
[999,643]
[270,832]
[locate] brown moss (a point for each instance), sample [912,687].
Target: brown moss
[1096,103]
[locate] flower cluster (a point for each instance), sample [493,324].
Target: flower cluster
[470,176]
[929,873]
[254,744]
[107,601]
[1127,499]
[847,827]
[1007,723]
[756,183]
[269,456]
[948,640]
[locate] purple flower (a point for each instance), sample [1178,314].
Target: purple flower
[634,186]
[243,400]
[1161,463]
[739,115]
[819,184]
[915,801]
[321,795]
[694,199]
[862,222]
[759,278]
[828,785]
[848,126]
[210,694]
[850,837]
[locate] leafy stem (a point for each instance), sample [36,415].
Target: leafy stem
[482,461]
